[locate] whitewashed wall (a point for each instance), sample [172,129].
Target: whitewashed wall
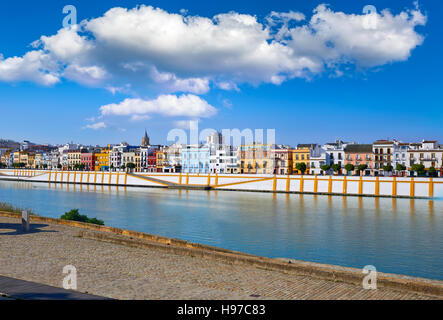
[242,182]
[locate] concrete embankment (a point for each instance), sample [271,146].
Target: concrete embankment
[398,187]
[219,273]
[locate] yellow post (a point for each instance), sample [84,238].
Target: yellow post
[274,187]
[394,187]
[345,185]
[118,177]
[81,177]
[103,177]
[126,178]
[360,185]
[89,174]
[431,188]
[302,184]
[209,179]
[110,177]
[75,176]
[49,176]
[180,178]
[412,191]
[95,177]
[377,186]
[330,185]
[216,179]
[315,184]
[67,179]
[187,178]
[288,183]
[61,176]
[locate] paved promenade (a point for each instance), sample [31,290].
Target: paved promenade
[21,289]
[122,272]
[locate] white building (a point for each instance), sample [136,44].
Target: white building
[318,160]
[428,153]
[172,160]
[336,152]
[400,155]
[115,156]
[223,159]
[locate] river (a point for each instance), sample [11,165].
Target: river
[396,236]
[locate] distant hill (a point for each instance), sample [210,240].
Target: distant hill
[9,144]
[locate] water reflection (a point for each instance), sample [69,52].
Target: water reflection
[395,235]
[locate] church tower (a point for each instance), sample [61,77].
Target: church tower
[145,140]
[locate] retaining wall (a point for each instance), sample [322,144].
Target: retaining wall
[329,185]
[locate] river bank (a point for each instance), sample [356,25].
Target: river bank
[126,265]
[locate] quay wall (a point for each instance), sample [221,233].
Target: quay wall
[327,185]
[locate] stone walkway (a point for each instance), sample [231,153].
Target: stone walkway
[121,272]
[20,289]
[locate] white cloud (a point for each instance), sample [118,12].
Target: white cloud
[96,126]
[175,84]
[87,75]
[137,117]
[336,37]
[149,48]
[165,105]
[34,66]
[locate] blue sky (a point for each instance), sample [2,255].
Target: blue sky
[391,89]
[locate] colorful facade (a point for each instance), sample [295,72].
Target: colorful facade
[103,160]
[359,154]
[88,160]
[257,159]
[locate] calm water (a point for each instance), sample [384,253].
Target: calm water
[396,236]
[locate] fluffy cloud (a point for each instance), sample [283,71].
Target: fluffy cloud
[148,47]
[35,66]
[165,105]
[96,126]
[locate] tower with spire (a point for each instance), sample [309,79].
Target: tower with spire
[145,140]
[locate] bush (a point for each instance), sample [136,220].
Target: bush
[74,215]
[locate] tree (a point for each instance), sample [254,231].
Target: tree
[130,166]
[301,166]
[112,167]
[59,166]
[45,166]
[349,168]
[400,167]
[388,168]
[361,168]
[325,167]
[336,167]
[432,171]
[419,168]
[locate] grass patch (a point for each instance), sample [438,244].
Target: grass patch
[74,215]
[7,207]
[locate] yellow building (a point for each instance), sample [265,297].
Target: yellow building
[102,160]
[160,160]
[22,157]
[301,155]
[30,161]
[74,159]
[256,159]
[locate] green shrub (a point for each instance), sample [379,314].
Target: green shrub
[74,215]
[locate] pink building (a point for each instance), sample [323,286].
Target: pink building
[357,154]
[88,159]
